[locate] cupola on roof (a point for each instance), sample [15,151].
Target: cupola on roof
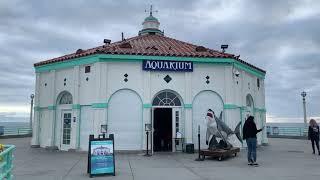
[150,25]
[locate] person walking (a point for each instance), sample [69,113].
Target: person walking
[250,135]
[313,134]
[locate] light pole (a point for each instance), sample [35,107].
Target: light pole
[31,112]
[304,94]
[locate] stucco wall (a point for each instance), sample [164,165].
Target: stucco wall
[91,93]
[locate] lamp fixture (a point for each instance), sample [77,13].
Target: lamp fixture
[224,47]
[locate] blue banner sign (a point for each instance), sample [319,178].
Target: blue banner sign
[158,65]
[101,157]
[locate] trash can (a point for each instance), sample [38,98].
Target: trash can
[189,148]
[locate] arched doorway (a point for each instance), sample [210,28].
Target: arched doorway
[64,123]
[249,105]
[125,119]
[201,103]
[251,112]
[167,121]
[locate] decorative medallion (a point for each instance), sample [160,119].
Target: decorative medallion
[167,78]
[126,77]
[207,81]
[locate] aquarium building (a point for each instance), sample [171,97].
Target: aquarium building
[120,87]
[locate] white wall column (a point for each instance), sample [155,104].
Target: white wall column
[188,125]
[35,128]
[147,107]
[229,95]
[75,125]
[188,111]
[52,108]
[99,113]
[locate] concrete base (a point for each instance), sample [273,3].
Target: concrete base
[72,150]
[35,146]
[52,148]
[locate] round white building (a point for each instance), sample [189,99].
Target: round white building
[147,79]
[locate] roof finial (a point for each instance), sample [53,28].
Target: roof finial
[150,11]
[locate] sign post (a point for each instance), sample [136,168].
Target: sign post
[199,158]
[101,156]
[147,129]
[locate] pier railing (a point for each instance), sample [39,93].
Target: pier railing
[287,131]
[8,131]
[6,165]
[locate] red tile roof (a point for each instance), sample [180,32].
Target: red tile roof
[149,45]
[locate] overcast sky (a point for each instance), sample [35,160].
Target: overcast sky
[281,37]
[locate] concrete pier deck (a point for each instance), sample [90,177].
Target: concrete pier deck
[282,159]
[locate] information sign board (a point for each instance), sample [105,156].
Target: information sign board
[101,156]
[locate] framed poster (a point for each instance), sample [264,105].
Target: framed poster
[101,156]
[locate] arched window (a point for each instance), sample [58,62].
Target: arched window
[166,98]
[66,98]
[249,101]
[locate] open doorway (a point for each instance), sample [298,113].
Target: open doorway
[162,129]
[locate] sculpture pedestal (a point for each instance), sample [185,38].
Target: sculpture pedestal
[219,153]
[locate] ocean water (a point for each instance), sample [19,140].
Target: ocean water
[14,124]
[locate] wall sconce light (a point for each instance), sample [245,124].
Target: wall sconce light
[147,127]
[236,73]
[224,47]
[104,129]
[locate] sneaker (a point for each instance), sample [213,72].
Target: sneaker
[255,164]
[250,163]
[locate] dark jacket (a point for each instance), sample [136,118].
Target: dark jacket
[313,133]
[250,129]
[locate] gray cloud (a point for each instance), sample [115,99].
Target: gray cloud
[278,36]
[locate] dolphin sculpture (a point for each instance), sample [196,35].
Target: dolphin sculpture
[216,128]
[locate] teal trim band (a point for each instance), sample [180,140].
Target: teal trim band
[144,31]
[249,69]
[111,57]
[188,106]
[243,108]
[147,106]
[52,107]
[85,105]
[68,63]
[76,106]
[260,110]
[42,108]
[36,108]
[99,105]
[230,106]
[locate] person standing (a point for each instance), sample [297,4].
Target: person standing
[250,135]
[313,134]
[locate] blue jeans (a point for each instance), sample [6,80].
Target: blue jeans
[252,149]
